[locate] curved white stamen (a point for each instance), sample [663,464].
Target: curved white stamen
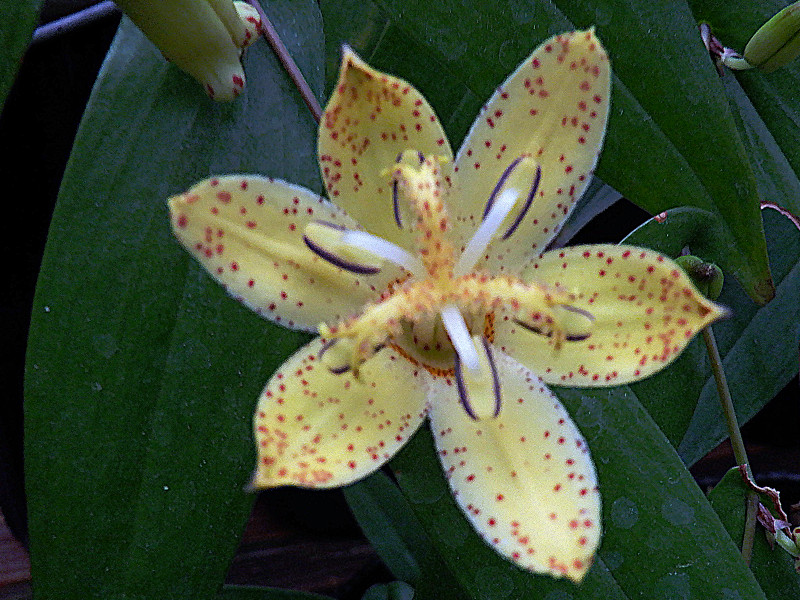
[486,230]
[460,336]
[385,249]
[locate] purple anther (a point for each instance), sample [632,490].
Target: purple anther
[396,205]
[532,328]
[495,377]
[579,311]
[528,201]
[327,346]
[463,395]
[499,184]
[337,260]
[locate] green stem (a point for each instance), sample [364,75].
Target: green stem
[287,61]
[739,452]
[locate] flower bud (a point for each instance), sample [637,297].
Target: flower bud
[707,277]
[204,38]
[777,41]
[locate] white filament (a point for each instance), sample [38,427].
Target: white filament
[483,236]
[385,249]
[460,337]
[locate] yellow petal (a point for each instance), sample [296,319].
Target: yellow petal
[247,231]
[644,311]
[370,120]
[553,108]
[525,479]
[314,428]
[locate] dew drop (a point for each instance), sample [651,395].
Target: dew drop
[624,513]
[677,512]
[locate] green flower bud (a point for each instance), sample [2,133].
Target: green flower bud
[707,277]
[777,41]
[204,38]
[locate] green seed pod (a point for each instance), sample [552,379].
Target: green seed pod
[204,38]
[707,277]
[777,42]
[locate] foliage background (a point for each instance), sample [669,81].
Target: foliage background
[134,476]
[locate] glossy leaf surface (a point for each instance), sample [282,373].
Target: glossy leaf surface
[142,374]
[776,95]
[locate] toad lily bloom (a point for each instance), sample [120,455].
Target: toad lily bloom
[205,38]
[424,307]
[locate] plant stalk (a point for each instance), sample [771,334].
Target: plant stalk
[739,452]
[288,62]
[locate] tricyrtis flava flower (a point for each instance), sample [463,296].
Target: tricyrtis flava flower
[442,305]
[205,38]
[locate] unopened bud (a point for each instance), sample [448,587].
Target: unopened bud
[707,277]
[204,38]
[777,42]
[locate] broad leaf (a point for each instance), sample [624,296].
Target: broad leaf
[142,374]
[758,344]
[236,592]
[388,521]
[654,137]
[19,18]
[776,96]
[773,567]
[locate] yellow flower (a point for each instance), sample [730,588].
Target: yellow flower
[424,311]
[205,38]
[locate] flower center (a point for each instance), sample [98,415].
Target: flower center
[441,315]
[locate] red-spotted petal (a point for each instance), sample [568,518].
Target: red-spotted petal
[553,109]
[316,428]
[247,231]
[370,120]
[638,308]
[525,479]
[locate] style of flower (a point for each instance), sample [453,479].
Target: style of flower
[205,38]
[423,312]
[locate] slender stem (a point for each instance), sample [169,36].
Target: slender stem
[74,21]
[725,397]
[288,62]
[737,443]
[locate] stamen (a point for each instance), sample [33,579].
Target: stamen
[334,368]
[385,249]
[527,205]
[395,197]
[499,185]
[318,228]
[460,336]
[486,230]
[473,386]
[395,200]
[533,328]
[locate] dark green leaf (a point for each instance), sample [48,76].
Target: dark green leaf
[653,137]
[142,374]
[758,344]
[390,524]
[777,181]
[661,540]
[773,568]
[236,592]
[19,19]
[396,590]
[776,96]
